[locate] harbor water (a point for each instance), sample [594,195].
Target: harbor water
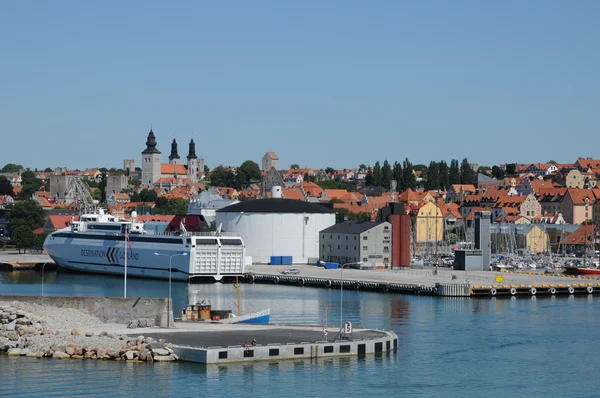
[448,347]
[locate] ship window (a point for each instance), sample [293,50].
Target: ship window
[234,242]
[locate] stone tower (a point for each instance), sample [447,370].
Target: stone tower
[150,161]
[129,166]
[174,156]
[192,163]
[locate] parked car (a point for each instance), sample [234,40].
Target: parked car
[292,271]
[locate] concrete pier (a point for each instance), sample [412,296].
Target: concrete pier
[212,343]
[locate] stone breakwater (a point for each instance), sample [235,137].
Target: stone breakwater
[38,331]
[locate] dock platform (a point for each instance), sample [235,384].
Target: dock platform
[211,343]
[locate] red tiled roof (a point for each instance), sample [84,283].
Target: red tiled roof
[581,236]
[172,169]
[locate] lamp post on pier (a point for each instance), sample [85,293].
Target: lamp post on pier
[342,293]
[170,300]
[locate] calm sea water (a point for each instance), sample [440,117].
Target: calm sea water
[529,347]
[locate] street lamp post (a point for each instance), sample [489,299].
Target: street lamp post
[43,266]
[170,300]
[342,293]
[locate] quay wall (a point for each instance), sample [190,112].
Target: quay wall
[305,350]
[107,309]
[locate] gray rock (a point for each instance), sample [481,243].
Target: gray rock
[103,334]
[4,321]
[14,352]
[101,352]
[113,353]
[164,358]
[74,332]
[23,321]
[26,352]
[26,330]
[139,340]
[4,315]
[131,355]
[21,313]
[60,355]
[12,317]
[71,350]
[89,334]
[11,326]
[160,352]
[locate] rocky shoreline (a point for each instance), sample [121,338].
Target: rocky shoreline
[49,332]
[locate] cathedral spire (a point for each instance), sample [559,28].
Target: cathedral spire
[174,154]
[151,143]
[192,151]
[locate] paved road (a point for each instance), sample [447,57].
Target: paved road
[262,336]
[413,276]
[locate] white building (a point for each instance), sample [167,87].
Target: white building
[277,227]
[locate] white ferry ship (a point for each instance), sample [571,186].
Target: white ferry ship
[99,243]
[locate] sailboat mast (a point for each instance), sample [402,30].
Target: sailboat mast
[237,293]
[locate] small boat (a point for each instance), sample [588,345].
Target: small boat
[256,318]
[582,271]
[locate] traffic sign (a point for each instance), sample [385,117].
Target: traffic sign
[348,328]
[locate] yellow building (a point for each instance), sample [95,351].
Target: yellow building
[536,239]
[429,224]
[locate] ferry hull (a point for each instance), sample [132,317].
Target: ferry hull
[157,257]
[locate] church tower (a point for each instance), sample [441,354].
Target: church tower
[192,163]
[150,161]
[174,156]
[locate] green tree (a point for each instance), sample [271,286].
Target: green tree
[369,178]
[97,195]
[444,175]
[377,176]
[408,176]
[362,166]
[511,169]
[92,183]
[31,184]
[295,166]
[102,186]
[147,195]
[12,168]
[206,169]
[386,174]
[6,187]
[419,167]
[433,176]
[170,206]
[23,237]
[48,170]
[498,173]
[248,173]
[466,172]
[134,182]
[220,177]
[27,213]
[329,170]
[454,172]
[135,197]
[397,175]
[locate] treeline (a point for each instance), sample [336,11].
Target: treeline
[439,175]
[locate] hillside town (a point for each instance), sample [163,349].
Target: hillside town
[545,207]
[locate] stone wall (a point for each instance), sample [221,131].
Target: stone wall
[107,309]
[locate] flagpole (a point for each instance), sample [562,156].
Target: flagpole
[125,278]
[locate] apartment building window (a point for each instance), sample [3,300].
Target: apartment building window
[365,248]
[330,236]
[346,237]
[354,237]
[338,246]
[364,238]
[365,259]
[338,237]
[386,228]
[346,247]
[354,247]
[323,245]
[322,236]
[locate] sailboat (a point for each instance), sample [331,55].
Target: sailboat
[584,269]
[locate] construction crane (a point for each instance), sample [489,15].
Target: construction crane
[81,194]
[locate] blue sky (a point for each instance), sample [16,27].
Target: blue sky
[321,83]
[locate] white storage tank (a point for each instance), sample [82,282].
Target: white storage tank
[277,227]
